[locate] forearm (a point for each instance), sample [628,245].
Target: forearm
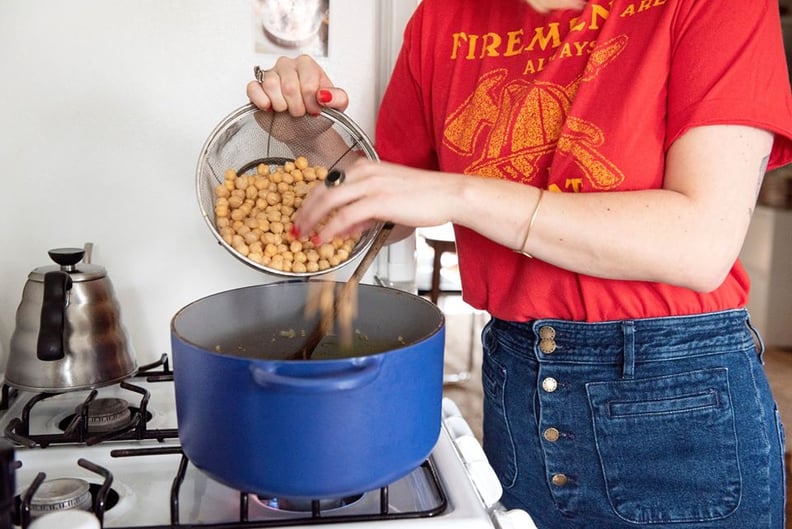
[687,234]
[653,235]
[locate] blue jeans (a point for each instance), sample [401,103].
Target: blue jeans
[662,423]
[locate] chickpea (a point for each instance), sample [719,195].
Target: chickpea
[273,198]
[309,174]
[221,191]
[242,249]
[295,247]
[254,215]
[261,182]
[301,162]
[326,251]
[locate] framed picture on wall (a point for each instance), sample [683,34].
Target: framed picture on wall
[288,27]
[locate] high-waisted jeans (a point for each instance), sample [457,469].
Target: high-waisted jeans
[662,423]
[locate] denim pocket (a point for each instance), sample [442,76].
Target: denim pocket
[498,441]
[668,446]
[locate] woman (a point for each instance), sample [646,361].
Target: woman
[600,162]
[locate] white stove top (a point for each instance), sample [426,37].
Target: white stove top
[141,486]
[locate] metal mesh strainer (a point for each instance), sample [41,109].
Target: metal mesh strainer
[248,137]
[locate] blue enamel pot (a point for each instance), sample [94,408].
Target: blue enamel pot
[332,426]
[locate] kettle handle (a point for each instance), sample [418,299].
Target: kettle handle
[53,316]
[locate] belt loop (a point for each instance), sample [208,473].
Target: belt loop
[758,342]
[628,367]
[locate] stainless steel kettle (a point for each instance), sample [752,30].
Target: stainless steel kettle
[68,334]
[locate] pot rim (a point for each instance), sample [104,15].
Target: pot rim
[326,361]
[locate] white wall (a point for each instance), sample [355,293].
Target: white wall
[104,107]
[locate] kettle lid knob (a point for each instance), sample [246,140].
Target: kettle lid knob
[66,257]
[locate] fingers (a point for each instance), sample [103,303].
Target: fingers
[326,212]
[297,85]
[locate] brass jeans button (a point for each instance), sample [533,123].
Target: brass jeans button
[546,332]
[549,384]
[552,434]
[547,346]
[559,480]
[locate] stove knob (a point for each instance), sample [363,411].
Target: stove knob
[70,519]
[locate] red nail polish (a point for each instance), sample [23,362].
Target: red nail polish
[316,240]
[325,96]
[295,231]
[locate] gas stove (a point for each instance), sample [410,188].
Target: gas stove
[115,451]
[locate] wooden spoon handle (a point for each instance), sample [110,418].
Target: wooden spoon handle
[319,331]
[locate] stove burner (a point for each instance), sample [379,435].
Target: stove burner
[306,506]
[94,490]
[108,414]
[61,494]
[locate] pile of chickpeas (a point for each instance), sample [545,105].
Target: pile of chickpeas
[254,214]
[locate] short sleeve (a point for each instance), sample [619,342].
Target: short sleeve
[403,131]
[728,67]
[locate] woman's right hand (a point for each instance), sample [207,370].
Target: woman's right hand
[297,85]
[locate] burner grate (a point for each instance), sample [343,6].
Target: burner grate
[315,517]
[78,431]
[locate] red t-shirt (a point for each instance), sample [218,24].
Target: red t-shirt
[579,102]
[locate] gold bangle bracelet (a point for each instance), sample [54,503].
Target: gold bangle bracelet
[530,225]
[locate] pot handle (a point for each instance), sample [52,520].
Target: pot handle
[356,375]
[50,345]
